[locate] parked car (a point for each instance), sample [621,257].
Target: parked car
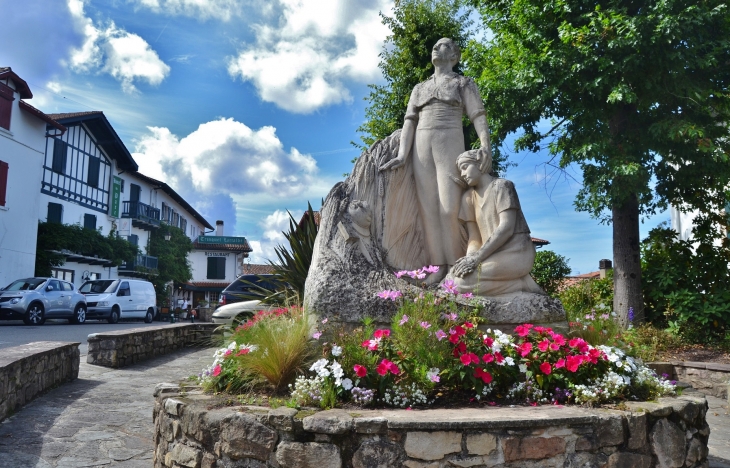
[36,299]
[120,299]
[233,314]
[235,290]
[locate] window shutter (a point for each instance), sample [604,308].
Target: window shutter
[134,192]
[60,148]
[93,177]
[55,213]
[134,239]
[221,268]
[6,105]
[3,182]
[216,268]
[90,221]
[211,268]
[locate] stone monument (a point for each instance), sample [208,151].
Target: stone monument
[408,204]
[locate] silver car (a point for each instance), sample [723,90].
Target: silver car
[238,312]
[36,299]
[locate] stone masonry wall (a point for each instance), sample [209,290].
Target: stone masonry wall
[195,430]
[707,377]
[126,347]
[27,371]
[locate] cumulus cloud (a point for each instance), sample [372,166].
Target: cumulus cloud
[303,58]
[203,9]
[109,49]
[273,227]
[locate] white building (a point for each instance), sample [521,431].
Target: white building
[23,133]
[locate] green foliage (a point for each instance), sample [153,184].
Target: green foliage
[550,270]
[416,25]
[172,258]
[586,296]
[686,285]
[87,242]
[598,327]
[647,342]
[267,352]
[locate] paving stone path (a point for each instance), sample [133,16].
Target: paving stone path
[104,418]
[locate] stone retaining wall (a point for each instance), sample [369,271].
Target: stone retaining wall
[195,430]
[707,377]
[126,347]
[27,371]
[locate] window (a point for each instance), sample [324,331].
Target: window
[121,188]
[53,285]
[66,275]
[90,221]
[134,192]
[67,286]
[55,213]
[124,289]
[6,105]
[3,182]
[133,239]
[93,176]
[60,150]
[216,268]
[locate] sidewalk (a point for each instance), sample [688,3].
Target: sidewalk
[104,418]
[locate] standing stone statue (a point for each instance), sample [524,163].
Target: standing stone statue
[500,253]
[431,139]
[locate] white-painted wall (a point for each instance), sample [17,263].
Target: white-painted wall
[22,148]
[199,265]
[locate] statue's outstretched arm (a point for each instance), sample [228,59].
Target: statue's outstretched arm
[406,143]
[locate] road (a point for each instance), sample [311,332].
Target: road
[15,332]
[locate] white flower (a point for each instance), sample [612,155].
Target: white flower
[336,350]
[233,345]
[509,361]
[346,384]
[523,368]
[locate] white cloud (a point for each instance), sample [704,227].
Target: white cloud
[225,156]
[304,57]
[273,226]
[109,49]
[202,9]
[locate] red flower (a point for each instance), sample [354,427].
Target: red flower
[574,342]
[382,369]
[543,345]
[545,368]
[488,341]
[381,333]
[560,363]
[459,331]
[559,339]
[573,362]
[360,371]
[393,368]
[525,348]
[521,330]
[468,325]
[469,358]
[479,373]
[217,370]
[498,357]
[554,346]
[539,329]
[487,358]
[243,351]
[386,366]
[454,338]
[459,349]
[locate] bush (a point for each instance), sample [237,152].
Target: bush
[584,297]
[686,285]
[549,271]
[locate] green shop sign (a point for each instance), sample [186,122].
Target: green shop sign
[221,240]
[116,196]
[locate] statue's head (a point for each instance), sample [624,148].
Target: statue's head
[446,49]
[477,158]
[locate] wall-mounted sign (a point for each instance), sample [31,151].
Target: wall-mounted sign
[116,197]
[217,254]
[221,240]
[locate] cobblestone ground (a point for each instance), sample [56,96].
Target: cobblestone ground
[104,418]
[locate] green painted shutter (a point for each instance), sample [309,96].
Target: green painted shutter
[60,148]
[55,213]
[93,177]
[90,221]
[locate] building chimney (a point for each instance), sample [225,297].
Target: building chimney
[603,266]
[219,228]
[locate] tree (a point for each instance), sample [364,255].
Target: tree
[172,258]
[636,95]
[550,270]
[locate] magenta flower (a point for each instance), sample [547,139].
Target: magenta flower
[467,295]
[450,287]
[325,320]
[398,274]
[431,269]
[452,316]
[403,320]
[384,294]
[316,335]
[441,335]
[425,325]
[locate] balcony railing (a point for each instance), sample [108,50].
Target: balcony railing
[142,215]
[148,263]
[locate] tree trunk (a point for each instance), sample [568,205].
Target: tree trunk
[627,262]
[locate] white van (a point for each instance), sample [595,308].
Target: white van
[119,298]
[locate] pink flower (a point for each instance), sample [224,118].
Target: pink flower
[398,274]
[425,325]
[386,366]
[316,335]
[431,269]
[467,295]
[560,363]
[403,320]
[371,345]
[482,374]
[441,335]
[380,333]
[243,351]
[543,345]
[468,325]
[228,352]
[559,339]
[573,362]
[498,357]
[360,371]
[382,369]
[452,316]
[525,348]
[554,346]
[545,368]
[521,330]
[489,341]
[217,370]
[435,378]
[487,358]
[450,287]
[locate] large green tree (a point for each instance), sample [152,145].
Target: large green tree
[635,93]
[172,258]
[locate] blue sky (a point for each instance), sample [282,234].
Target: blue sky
[246,108]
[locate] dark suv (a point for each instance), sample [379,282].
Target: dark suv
[235,291]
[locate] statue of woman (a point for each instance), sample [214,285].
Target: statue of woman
[500,253]
[433,133]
